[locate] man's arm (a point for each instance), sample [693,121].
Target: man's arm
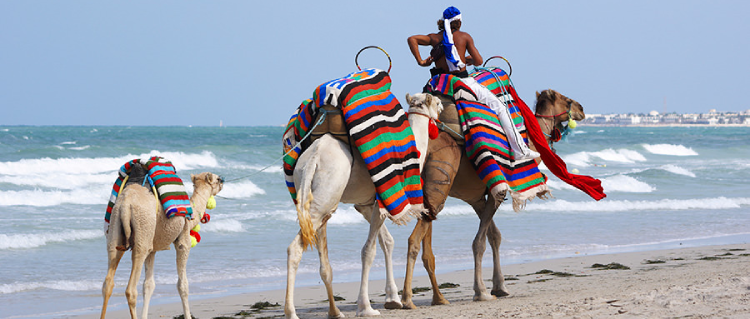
[474,57]
[414,42]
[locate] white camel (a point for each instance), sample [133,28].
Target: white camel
[328,173]
[138,221]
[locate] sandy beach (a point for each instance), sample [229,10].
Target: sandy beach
[700,282]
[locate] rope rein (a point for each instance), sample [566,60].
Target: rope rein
[320,121]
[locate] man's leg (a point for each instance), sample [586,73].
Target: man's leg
[520,149]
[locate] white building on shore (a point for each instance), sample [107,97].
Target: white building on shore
[655,118]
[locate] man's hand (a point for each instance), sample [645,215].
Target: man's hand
[426,62]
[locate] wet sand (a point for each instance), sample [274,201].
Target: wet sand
[700,282]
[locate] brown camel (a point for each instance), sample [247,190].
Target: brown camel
[449,172]
[138,221]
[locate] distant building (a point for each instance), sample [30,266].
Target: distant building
[654,118]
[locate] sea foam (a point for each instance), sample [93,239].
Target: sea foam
[669,149]
[24,241]
[50,167]
[64,285]
[610,155]
[563,206]
[677,170]
[41,198]
[626,184]
[238,189]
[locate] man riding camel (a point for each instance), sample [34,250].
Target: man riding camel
[449,48]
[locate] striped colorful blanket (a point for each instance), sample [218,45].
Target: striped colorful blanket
[379,129]
[497,81]
[162,176]
[487,145]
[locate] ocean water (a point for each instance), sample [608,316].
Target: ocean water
[667,187]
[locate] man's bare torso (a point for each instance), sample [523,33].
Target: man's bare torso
[460,39]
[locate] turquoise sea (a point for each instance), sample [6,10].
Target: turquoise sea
[667,187]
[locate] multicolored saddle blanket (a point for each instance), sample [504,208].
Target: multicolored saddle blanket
[486,142]
[379,129]
[497,81]
[162,175]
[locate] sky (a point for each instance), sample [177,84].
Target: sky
[250,63]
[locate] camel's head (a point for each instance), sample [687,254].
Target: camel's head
[552,110]
[424,103]
[207,180]
[552,103]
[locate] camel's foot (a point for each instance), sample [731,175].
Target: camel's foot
[393,304]
[436,301]
[484,297]
[408,304]
[336,315]
[368,312]
[500,293]
[292,316]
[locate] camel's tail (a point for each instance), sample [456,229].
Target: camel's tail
[124,228]
[307,229]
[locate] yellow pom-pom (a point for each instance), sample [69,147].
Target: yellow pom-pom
[197,228]
[572,124]
[574,171]
[193,241]
[211,203]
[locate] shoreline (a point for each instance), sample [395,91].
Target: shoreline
[705,280]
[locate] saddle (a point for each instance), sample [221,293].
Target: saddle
[332,124]
[137,176]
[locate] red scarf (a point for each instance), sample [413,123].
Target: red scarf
[588,184]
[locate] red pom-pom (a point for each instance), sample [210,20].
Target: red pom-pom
[433,130]
[196,235]
[419,154]
[206,218]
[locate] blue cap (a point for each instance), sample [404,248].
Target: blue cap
[450,12]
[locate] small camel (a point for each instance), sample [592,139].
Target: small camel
[138,221]
[449,172]
[328,173]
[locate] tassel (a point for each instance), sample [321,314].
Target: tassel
[556,136]
[433,130]
[196,235]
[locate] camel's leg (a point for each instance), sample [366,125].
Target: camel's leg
[386,244]
[428,259]
[411,258]
[182,249]
[479,245]
[131,292]
[391,290]
[364,309]
[326,274]
[294,256]
[114,257]
[148,284]
[498,281]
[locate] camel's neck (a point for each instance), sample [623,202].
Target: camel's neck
[420,123]
[548,116]
[547,125]
[199,201]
